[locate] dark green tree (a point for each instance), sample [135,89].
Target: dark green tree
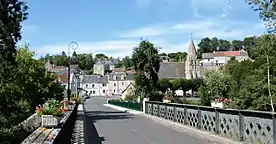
[164,84]
[146,63]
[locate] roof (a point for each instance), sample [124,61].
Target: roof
[171,70]
[95,79]
[224,54]
[107,62]
[62,78]
[119,75]
[191,49]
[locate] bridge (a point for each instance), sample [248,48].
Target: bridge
[105,125]
[96,122]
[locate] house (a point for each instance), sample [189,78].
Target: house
[128,90]
[102,66]
[217,59]
[118,81]
[94,85]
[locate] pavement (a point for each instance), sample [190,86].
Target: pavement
[105,125]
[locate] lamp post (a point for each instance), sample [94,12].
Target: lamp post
[73,45]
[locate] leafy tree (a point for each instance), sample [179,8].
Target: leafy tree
[207,45]
[100,56]
[127,62]
[185,85]
[179,56]
[224,45]
[267,12]
[237,44]
[146,64]
[13,12]
[215,84]
[164,84]
[32,86]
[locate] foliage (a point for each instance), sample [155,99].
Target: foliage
[32,86]
[13,12]
[267,12]
[51,107]
[146,64]
[209,45]
[215,84]
[164,84]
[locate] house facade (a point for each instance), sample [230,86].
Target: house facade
[102,66]
[217,59]
[118,81]
[94,85]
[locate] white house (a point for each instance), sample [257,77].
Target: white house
[94,85]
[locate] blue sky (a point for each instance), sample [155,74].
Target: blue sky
[114,27]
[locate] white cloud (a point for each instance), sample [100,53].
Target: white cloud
[164,36]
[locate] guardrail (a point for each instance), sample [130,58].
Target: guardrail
[130,105]
[253,127]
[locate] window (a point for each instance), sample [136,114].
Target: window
[123,83]
[86,85]
[104,85]
[94,92]
[114,84]
[122,77]
[103,91]
[114,77]
[114,90]
[93,85]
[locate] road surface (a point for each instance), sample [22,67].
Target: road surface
[109,126]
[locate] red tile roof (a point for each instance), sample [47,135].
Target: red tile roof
[227,53]
[62,78]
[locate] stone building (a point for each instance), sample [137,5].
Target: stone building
[102,66]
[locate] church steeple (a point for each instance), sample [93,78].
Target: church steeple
[191,60]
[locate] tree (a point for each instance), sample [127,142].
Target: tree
[207,45]
[164,84]
[146,63]
[216,84]
[267,12]
[237,44]
[33,85]
[224,45]
[127,62]
[185,85]
[13,12]
[100,56]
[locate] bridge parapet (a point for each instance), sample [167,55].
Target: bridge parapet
[243,125]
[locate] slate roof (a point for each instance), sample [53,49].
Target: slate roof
[107,62]
[171,70]
[127,75]
[95,79]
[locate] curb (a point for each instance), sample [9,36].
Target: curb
[123,109]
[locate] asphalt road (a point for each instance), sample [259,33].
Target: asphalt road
[109,126]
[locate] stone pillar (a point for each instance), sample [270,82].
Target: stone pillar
[144,104]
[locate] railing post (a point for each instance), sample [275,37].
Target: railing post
[174,113]
[199,118]
[274,128]
[158,110]
[166,111]
[241,126]
[217,120]
[185,115]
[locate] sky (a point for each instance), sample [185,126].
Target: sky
[115,27]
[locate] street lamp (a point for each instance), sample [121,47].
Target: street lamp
[73,45]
